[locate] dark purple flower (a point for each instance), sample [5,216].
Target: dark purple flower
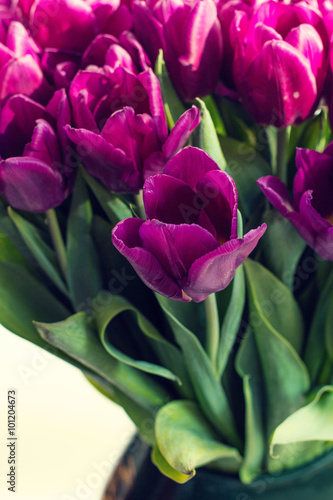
[188,246]
[189,34]
[34,174]
[120,126]
[280,61]
[20,70]
[311,210]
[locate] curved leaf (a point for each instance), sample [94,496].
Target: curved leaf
[205,136]
[248,367]
[276,322]
[209,392]
[112,306]
[186,440]
[76,337]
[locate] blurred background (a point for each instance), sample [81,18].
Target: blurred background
[69,436]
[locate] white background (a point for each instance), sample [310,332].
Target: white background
[69,436]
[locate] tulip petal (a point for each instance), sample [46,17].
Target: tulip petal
[126,238]
[277,194]
[176,246]
[30,184]
[281,76]
[196,31]
[190,165]
[182,130]
[315,220]
[18,118]
[24,76]
[102,160]
[170,200]
[44,145]
[307,41]
[214,271]
[315,172]
[218,195]
[151,84]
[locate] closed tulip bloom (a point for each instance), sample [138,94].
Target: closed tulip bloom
[34,175]
[62,24]
[311,210]
[188,247]
[20,70]
[280,62]
[119,120]
[191,38]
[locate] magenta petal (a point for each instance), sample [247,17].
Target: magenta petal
[276,192]
[314,219]
[170,200]
[176,246]
[196,31]
[30,184]
[307,41]
[214,271]
[44,144]
[125,237]
[279,86]
[190,165]
[22,76]
[102,160]
[151,84]
[182,130]
[324,244]
[219,198]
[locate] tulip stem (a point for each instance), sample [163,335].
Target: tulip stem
[281,153]
[213,328]
[57,240]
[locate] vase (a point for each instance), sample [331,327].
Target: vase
[136,478]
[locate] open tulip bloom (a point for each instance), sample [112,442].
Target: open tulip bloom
[166,217]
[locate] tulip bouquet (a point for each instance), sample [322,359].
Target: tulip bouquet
[166,216]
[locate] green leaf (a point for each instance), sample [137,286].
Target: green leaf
[280,258]
[114,305]
[24,300]
[315,349]
[215,114]
[245,165]
[277,325]
[76,337]
[8,251]
[232,320]
[205,136]
[186,440]
[248,367]
[329,327]
[313,422]
[165,468]
[43,254]
[237,121]
[173,106]
[115,209]
[83,272]
[209,392]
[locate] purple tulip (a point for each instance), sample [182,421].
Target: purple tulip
[20,70]
[191,38]
[62,24]
[280,62]
[119,119]
[311,211]
[34,175]
[188,246]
